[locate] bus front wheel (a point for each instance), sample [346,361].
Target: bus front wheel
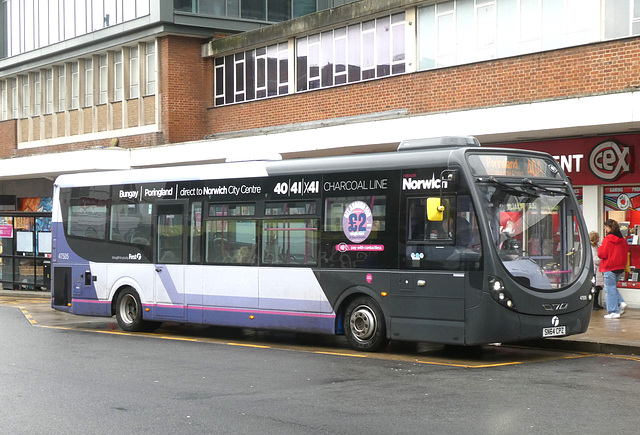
[364,325]
[129,311]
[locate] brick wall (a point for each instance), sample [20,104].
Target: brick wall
[588,70]
[187,89]
[8,137]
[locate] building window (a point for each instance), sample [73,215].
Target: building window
[25,97]
[3,101]
[88,82]
[362,51]
[75,85]
[117,76]
[134,73]
[33,24]
[62,88]
[49,91]
[253,74]
[150,68]
[37,100]
[14,98]
[103,79]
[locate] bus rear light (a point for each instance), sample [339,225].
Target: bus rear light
[69,304]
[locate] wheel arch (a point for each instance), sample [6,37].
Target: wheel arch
[350,294]
[121,285]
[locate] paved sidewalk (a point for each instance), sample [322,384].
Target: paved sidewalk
[618,336]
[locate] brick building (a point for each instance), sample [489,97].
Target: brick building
[184,82]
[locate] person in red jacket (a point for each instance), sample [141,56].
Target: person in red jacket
[613,260]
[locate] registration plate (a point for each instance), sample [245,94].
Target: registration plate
[554,332]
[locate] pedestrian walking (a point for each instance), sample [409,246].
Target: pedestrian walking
[594,238]
[613,256]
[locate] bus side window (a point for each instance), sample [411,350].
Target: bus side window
[230,234]
[288,238]
[421,229]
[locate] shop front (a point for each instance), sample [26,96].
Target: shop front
[25,245]
[607,184]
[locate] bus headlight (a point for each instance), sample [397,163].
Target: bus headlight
[500,294]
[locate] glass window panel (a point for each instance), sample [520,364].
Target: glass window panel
[54,30]
[314,61]
[29,29]
[301,64]
[326,58]
[279,10]
[170,236]
[75,85]
[195,244]
[142,7]
[254,9]
[230,241]
[383,45]
[103,79]
[129,9]
[62,88]
[118,76]
[97,15]
[233,8]
[354,53]
[290,208]
[151,68]
[49,91]
[69,11]
[110,17]
[303,7]
[368,53]
[88,82]
[25,97]
[80,17]
[291,241]
[250,78]
[131,223]
[272,70]
[134,73]
[87,221]
[224,210]
[398,49]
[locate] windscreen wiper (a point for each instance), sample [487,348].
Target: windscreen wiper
[528,182]
[507,187]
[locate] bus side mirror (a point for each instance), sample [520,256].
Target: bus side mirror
[435,210]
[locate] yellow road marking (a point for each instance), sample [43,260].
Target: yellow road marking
[33,322]
[248,345]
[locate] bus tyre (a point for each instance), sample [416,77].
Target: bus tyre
[364,325]
[129,311]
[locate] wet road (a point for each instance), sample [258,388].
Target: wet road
[39,313]
[65,374]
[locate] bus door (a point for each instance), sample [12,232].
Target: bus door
[170,251]
[438,254]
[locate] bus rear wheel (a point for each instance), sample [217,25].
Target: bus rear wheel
[129,311]
[364,325]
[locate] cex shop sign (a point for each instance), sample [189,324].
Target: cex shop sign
[593,160]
